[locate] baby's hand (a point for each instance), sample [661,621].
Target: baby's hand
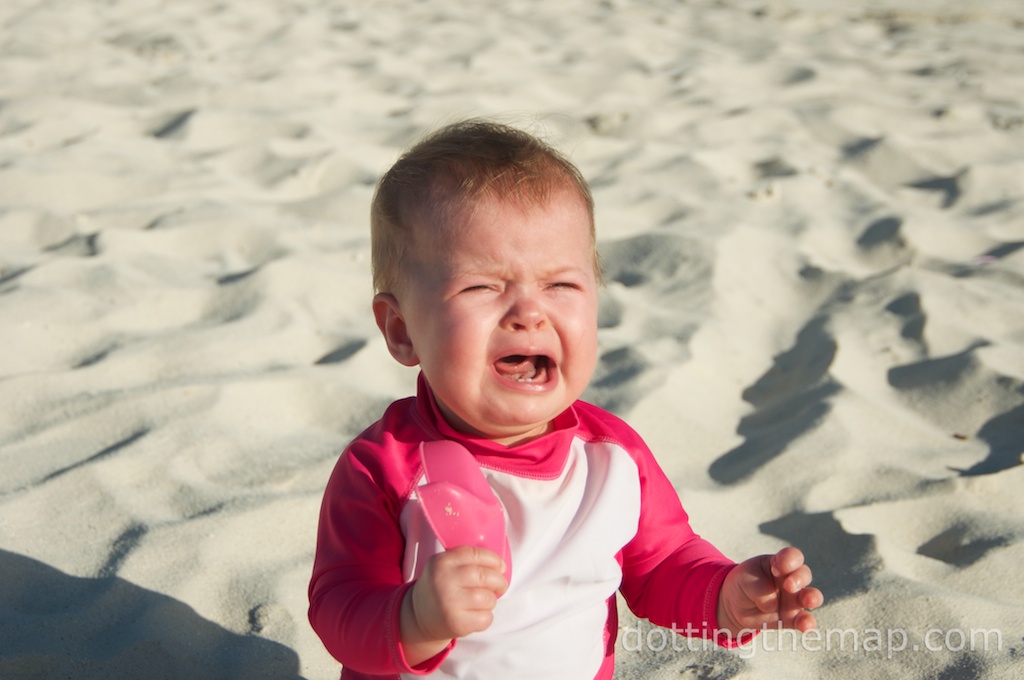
[766,590]
[453,597]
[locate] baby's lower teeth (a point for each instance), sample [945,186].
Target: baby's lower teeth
[526,377]
[529,369]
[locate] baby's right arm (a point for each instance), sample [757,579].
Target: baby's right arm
[453,597]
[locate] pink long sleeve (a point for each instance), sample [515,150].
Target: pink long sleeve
[671,576]
[357,587]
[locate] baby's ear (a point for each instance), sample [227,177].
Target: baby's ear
[392,325]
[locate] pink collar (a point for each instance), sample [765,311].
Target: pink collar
[542,458]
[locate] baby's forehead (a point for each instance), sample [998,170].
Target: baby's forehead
[445,208]
[494,224]
[485,233]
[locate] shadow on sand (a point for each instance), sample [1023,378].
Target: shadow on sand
[53,625]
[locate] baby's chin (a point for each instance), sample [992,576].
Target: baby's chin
[516,437]
[507,430]
[508,411]
[526,423]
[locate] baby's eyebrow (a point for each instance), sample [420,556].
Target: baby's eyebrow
[568,270]
[505,270]
[476,270]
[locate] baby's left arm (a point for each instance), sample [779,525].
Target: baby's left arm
[768,590]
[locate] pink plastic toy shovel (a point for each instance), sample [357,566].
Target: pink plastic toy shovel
[459,505]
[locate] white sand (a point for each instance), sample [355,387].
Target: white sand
[812,220]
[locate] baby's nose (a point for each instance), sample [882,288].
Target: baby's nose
[526,313]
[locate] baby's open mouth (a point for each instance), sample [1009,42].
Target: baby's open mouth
[521,368]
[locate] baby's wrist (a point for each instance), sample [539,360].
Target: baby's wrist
[725,621]
[417,643]
[723,612]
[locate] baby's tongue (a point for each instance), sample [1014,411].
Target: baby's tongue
[520,368]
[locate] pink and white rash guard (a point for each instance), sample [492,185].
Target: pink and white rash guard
[588,512]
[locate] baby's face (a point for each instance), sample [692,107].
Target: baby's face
[501,310]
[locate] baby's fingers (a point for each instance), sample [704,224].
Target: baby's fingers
[793,612]
[786,561]
[757,584]
[472,567]
[804,621]
[795,580]
[805,598]
[810,598]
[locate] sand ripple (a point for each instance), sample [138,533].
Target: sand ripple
[811,219]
